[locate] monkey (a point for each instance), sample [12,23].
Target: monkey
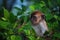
[38,23]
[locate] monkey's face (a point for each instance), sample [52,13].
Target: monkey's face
[35,19]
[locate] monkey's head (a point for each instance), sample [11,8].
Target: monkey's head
[39,23]
[36,17]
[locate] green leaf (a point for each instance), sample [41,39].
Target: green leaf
[3,18]
[57,35]
[13,37]
[55,16]
[24,8]
[32,38]
[32,7]
[27,32]
[48,16]
[3,24]
[17,8]
[12,18]
[6,14]
[42,4]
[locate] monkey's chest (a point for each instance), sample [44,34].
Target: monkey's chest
[38,30]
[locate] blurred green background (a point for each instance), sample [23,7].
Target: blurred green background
[13,27]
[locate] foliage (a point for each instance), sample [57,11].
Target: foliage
[12,28]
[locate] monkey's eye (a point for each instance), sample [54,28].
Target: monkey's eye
[43,16]
[34,17]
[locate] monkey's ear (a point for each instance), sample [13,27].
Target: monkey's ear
[43,16]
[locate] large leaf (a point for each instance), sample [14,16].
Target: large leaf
[6,14]
[12,18]
[4,24]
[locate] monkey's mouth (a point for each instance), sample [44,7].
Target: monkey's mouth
[34,22]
